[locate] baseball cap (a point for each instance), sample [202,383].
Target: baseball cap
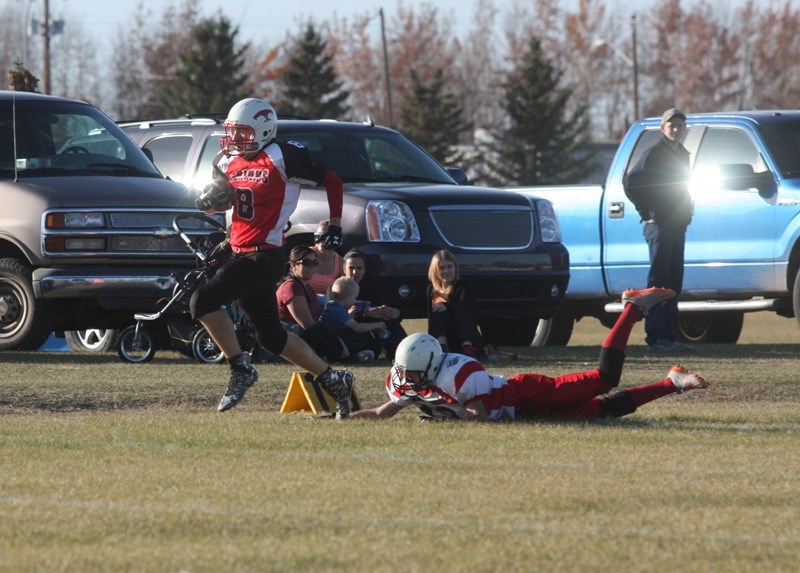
[672,113]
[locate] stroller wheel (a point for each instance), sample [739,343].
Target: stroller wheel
[136,346]
[205,349]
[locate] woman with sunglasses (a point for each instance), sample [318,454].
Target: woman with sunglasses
[298,305]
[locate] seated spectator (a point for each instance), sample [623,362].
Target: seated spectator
[370,307]
[330,263]
[449,303]
[361,346]
[298,305]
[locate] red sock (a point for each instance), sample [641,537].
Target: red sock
[649,392]
[618,337]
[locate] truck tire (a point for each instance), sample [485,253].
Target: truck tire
[556,330]
[24,320]
[92,340]
[796,297]
[710,327]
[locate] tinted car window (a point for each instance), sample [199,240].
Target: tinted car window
[364,155]
[70,139]
[647,140]
[783,141]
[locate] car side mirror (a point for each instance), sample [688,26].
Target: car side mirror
[459,175]
[740,177]
[149,154]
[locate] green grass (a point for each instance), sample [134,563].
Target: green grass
[108,466]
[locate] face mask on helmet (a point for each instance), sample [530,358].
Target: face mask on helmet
[251,125]
[418,359]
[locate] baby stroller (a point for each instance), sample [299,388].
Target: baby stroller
[173,325]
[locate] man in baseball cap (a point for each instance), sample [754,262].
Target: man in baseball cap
[658,187]
[671,114]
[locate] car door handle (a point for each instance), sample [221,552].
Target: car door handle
[616,210]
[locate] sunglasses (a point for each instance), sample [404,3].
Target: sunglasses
[308,262]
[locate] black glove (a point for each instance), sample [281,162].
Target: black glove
[332,239]
[216,196]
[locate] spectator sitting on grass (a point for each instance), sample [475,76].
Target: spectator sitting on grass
[361,346]
[298,305]
[373,308]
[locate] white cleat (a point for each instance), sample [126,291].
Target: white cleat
[683,381]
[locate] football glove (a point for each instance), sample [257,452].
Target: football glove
[332,239]
[216,196]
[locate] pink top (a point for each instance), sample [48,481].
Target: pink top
[320,282]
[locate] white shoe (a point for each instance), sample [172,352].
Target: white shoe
[365,356]
[683,381]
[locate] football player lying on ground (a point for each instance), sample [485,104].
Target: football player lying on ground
[454,386]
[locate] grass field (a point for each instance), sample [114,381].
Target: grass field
[108,466]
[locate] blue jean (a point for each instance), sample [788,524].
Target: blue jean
[666,247]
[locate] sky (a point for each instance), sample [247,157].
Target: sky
[259,21]
[268,21]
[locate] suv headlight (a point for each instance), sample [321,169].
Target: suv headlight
[391,221]
[76,220]
[548,221]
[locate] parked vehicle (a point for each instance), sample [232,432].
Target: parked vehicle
[85,229]
[401,206]
[742,248]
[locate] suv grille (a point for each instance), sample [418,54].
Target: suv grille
[484,228]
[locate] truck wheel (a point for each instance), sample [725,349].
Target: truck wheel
[92,340]
[710,327]
[796,297]
[556,330]
[24,320]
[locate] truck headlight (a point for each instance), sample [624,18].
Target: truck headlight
[391,221]
[548,221]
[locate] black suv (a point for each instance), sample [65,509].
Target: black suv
[401,206]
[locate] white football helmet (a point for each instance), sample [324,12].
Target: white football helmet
[251,125]
[418,353]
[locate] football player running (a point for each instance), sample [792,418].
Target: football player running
[456,387]
[260,179]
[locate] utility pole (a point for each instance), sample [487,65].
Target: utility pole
[386,78]
[635,66]
[46,49]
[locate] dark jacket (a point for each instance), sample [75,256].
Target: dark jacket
[461,295]
[660,185]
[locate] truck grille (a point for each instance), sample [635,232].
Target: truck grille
[484,228]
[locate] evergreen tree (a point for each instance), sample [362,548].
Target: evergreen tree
[308,81]
[20,79]
[433,118]
[208,77]
[544,142]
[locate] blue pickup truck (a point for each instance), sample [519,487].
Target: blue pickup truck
[742,248]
